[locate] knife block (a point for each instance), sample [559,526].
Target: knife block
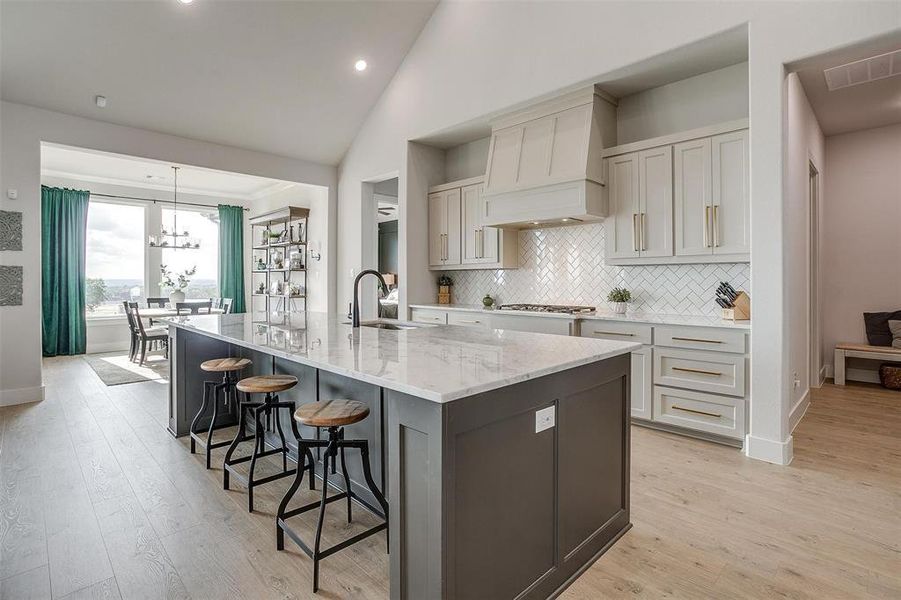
[741,311]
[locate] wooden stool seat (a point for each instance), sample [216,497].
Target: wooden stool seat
[222,365]
[331,413]
[267,384]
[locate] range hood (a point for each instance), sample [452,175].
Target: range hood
[544,162]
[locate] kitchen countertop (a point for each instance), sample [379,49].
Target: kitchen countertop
[439,363]
[630,317]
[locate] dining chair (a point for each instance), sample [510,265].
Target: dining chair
[226,305]
[194,308]
[133,332]
[148,335]
[157,302]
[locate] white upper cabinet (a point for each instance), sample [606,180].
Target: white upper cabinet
[640,195]
[655,193]
[458,239]
[681,202]
[444,228]
[691,183]
[622,224]
[731,206]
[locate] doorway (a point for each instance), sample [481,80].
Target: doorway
[813,287]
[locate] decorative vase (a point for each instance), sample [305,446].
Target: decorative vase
[488,301]
[176,296]
[619,307]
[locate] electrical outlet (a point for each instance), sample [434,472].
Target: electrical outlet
[544,419]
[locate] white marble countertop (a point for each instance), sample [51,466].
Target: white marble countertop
[630,317]
[439,363]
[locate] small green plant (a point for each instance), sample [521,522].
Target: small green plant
[618,294]
[177,281]
[445,280]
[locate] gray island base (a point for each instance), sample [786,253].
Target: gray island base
[504,455]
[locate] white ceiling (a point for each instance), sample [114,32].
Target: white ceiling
[873,104]
[100,167]
[275,77]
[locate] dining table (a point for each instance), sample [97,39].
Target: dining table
[155,313]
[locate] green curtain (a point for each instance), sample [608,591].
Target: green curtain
[231,255]
[64,220]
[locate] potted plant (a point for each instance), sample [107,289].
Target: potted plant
[177,282]
[619,298]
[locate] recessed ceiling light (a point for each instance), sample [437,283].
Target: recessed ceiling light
[535,223]
[565,220]
[360,65]
[186,1]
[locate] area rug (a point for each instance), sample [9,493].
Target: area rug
[114,368]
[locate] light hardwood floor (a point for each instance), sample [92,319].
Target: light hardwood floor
[97,500]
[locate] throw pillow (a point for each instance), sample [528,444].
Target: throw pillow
[878,333]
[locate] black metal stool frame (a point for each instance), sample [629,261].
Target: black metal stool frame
[269,405]
[227,387]
[334,443]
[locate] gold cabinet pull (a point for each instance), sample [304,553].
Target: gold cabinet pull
[716,225]
[685,339]
[614,333]
[697,412]
[698,371]
[464,321]
[706,226]
[635,232]
[641,230]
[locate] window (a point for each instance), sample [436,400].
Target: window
[204,226]
[114,258]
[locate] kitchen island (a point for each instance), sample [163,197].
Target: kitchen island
[504,455]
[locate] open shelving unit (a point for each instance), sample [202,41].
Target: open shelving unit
[279,270]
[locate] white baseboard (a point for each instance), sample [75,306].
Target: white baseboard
[21,396]
[798,411]
[107,347]
[771,451]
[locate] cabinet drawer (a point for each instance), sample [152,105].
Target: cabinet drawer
[533,324]
[427,315]
[701,338]
[468,319]
[704,412]
[704,371]
[614,330]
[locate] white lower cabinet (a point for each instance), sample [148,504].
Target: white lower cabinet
[642,383]
[683,378]
[710,413]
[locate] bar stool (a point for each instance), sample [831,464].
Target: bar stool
[228,367]
[269,385]
[333,414]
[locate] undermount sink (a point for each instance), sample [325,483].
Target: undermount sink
[391,326]
[399,326]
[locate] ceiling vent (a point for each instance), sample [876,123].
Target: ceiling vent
[864,71]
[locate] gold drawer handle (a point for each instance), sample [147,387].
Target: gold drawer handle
[699,371]
[685,339]
[614,333]
[697,412]
[464,321]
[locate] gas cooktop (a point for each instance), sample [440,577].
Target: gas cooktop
[548,308]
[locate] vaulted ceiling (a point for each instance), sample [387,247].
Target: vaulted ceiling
[275,77]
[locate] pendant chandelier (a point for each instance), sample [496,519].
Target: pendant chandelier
[173,237]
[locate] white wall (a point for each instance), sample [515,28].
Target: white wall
[466,160]
[705,99]
[474,59]
[861,234]
[320,290]
[805,144]
[22,129]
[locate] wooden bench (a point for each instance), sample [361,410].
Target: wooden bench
[843,351]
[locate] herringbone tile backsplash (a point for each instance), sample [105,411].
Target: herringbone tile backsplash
[565,265]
